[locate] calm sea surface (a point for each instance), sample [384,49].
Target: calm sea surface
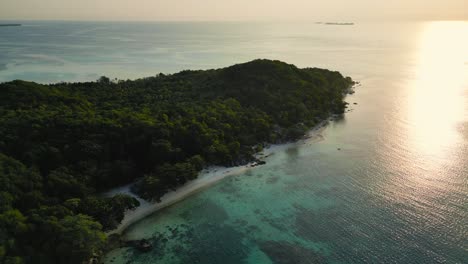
[396,192]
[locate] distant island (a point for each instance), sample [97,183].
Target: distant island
[335,23]
[339,24]
[10,25]
[63,144]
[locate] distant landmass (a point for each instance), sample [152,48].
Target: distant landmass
[339,24]
[10,25]
[336,23]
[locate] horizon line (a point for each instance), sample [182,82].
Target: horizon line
[237,20]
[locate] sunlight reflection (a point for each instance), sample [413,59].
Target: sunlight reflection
[436,101]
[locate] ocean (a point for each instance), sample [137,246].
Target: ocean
[388,183]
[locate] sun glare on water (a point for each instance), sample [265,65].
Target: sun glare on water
[436,103]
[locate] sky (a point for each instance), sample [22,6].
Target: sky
[215,10]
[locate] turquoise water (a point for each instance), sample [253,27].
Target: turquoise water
[395,192]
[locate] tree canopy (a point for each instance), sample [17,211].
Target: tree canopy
[62,144]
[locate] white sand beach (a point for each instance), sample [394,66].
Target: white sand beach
[206,178]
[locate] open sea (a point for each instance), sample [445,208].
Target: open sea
[386,184]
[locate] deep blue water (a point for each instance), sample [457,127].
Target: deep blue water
[396,192]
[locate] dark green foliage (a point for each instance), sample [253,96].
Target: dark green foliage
[61,144]
[108,211]
[68,239]
[168,176]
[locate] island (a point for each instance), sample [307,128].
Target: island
[63,144]
[339,24]
[10,25]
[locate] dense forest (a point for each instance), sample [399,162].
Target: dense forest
[63,144]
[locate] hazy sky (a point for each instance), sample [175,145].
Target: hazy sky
[336,10]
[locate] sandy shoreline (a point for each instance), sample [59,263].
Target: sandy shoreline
[206,178]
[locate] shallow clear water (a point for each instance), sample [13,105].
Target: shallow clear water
[396,192]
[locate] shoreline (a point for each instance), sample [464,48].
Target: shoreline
[206,178]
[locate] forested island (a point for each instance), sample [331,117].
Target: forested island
[63,144]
